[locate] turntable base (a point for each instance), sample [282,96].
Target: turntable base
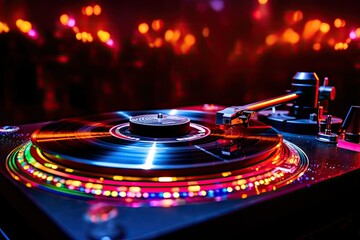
[72,176]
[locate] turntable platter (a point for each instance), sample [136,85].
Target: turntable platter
[192,160]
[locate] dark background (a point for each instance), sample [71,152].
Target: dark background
[55,75]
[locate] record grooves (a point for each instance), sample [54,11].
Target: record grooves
[100,157]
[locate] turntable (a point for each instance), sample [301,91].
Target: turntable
[257,169]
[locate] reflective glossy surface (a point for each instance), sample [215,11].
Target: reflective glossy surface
[80,158]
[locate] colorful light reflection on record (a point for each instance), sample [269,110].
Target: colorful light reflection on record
[80,158]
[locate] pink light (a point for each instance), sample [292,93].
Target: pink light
[257,15]
[32,33]
[352,35]
[71,22]
[110,42]
[349,145]
[217,5]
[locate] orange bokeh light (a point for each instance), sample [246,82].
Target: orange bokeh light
[311,28]
[97,10]
[24,26]
[316,46]
[64,19]
[104,36]
[4,27]
[291,36]
[157,24]
[338,23]
[271,39]
[189,39]
[206,32]
[324,27]
[89,10]
[262,2]
[143,28]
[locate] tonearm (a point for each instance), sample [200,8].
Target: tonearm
[305,94]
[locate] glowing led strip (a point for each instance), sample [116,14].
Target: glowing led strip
[24,167]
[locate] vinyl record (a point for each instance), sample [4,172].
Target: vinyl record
[106,144]
[151,156]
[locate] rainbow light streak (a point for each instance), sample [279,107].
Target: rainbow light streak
[28,165]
